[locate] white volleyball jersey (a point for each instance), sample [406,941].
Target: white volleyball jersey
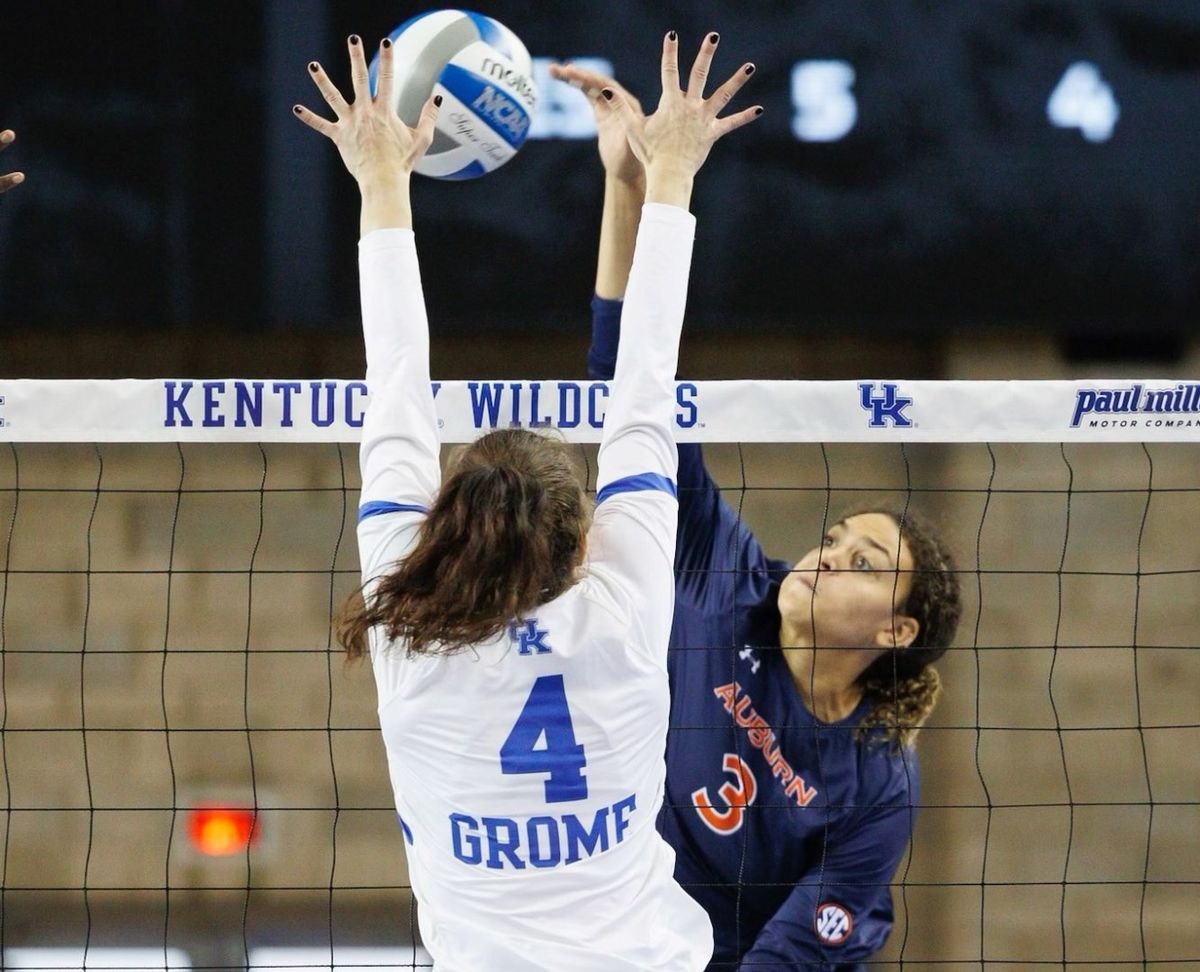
[528,771]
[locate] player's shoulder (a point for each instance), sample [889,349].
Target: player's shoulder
[608,591]
[386,537]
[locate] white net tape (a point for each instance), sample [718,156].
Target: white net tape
[278,410]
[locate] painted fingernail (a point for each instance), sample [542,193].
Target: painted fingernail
[297,109]
[437,101]
[312,66]
[758,111]
[671,35]
[607,92]
[749,69]
[714,37]
[354,39]
[387,42]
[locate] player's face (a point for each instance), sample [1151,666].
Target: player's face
[847,592]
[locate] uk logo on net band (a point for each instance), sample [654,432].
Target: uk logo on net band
[886,405]
[832,923]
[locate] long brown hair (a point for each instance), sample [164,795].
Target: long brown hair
[504,535]
[903,684]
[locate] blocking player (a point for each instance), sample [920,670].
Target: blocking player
[12,178]
[519,653]
[791,774]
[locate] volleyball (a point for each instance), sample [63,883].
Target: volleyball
[485,77]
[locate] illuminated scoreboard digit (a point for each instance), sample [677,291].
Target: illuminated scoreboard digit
[1083,100]
[823,102]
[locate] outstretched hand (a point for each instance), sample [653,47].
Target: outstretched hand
[615,154]
[13,178]
[674,142]
[374,143]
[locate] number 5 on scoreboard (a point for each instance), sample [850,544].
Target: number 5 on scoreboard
[546,713]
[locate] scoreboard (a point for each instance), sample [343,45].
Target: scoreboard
[922,165]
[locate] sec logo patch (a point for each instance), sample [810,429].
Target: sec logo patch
[833,923]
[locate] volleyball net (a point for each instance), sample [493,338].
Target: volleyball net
[192,778]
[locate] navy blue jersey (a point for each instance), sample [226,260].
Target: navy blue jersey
[786,829]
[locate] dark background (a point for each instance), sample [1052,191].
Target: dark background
[169,188]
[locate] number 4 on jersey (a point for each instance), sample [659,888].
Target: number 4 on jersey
[546,713]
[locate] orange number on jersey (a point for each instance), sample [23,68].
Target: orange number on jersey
[737,797]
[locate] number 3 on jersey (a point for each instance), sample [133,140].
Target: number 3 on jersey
[546,713]
[737,796]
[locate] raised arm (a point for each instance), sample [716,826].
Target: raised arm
[399,455]
[715,550]
[635,522]
[7,137]
[672,145]
[711,537]
[624,181]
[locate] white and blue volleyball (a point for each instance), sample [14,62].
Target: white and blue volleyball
[485,77]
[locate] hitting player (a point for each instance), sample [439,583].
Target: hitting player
[791,774]
[519,655]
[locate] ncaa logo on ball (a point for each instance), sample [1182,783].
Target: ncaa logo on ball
[832,924]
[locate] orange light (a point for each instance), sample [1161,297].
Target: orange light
[217,831]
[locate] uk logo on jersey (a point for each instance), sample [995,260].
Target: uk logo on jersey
[529,637]
[832,923]
[886,406]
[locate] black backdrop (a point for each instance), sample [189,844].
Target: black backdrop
[165,188]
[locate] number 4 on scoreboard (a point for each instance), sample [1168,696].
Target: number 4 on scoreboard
[546,713]
[1082,99]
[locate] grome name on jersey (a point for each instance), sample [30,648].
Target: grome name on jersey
[543,841]
[1182,399]
[284,404]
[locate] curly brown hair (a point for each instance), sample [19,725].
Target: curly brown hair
[903,684]
[505,535]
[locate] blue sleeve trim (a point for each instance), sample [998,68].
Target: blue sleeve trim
[379,507]
[634,484]
[403,826]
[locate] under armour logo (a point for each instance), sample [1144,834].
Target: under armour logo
[747,654]
[528,637]
[885,406]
